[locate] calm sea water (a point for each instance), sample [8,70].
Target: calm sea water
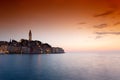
[83,66]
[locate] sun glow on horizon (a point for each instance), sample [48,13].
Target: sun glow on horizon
[75,25]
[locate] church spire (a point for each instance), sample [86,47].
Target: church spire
[30,35]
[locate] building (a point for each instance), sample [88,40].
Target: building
[3,47]
[29,46]
[57,50]
[30,35]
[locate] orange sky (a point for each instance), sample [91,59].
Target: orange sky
[75,25]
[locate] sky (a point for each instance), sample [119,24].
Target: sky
[75,25]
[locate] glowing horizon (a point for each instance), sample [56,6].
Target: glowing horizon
[75,25]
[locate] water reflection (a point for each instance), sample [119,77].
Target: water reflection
[60,67]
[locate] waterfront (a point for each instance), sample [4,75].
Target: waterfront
[69,66]
[29,46]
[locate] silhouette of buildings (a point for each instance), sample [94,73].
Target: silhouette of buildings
[29,46]
[30,35]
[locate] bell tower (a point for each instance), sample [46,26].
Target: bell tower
[30,35]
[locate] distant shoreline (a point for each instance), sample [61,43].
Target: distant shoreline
[28,53]
[28,46]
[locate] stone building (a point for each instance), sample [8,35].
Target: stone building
[28,47]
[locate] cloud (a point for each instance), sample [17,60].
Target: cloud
[79,27]
[98,37]
[105,33]
[82,23]
[104,13]
[100,26]
[117,23]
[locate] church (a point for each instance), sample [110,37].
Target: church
[30,35]
[29,46]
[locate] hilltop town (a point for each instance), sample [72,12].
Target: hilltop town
[29,46]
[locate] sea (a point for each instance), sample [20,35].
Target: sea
[68,66]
